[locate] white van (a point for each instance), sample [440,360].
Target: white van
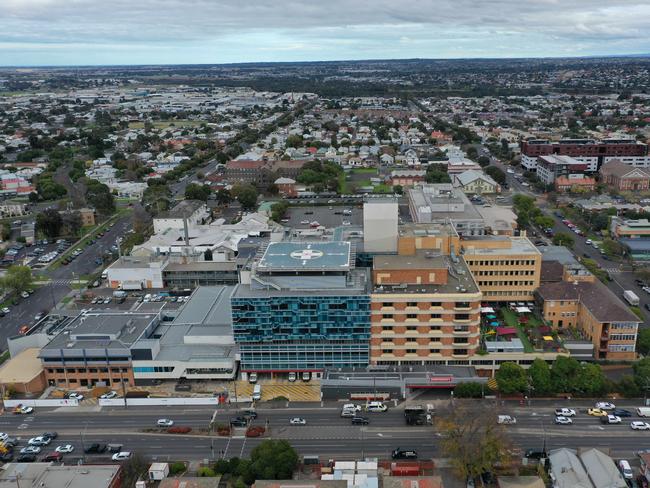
[252,378]
[376,407]
[257,392]
[626,469]
[643,411]
[506,419]
[292,376]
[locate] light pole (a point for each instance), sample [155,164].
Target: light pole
[541,422]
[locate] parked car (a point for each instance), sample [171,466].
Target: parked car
[108,395]
[65,449]
[95,449]
[298,421]
[535,454]
[76,396]
[39,441]
[53,456]
[26,458]
[30,450]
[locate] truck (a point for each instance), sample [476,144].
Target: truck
[631,297]
[257,392]
[418,415]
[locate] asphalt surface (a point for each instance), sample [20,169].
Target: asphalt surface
[325,433]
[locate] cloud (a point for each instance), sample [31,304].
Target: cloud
[335,29]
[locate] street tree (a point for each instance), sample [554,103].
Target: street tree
[483,161]
[563,239]
[563,373]
[274,460]
[511,378]
[437,173]
[544,221]
[17,279]
[223,196]
[590,380]
[472,440]
[195,191]
[497,174]
[540,377]
[49,222]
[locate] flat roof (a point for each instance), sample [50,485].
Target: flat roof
[312,256]
[518,245]
[70,476]
[208,305]
[459,278]
[22,368]
[102,330]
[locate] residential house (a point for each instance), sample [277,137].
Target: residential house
[574,183]
[407,177]
[286,187]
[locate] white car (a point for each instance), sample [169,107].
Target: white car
[5,310]
[638,425]
[26,410]
[121,456]
[605,406]
[588,242]
[613,419]
[304,222]
[3,436]
[65,449]
[646,289]
[351,406]
[24,294]
[297,421]
[565,412]
[30,450]
[76,396]
[563,421]
[108,395]
[165,422]
[39,441]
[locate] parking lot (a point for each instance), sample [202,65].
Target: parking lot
[330,216]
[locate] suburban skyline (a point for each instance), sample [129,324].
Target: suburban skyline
[89,32]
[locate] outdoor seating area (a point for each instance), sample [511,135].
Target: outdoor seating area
[516,323]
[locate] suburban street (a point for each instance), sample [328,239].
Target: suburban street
[325,432]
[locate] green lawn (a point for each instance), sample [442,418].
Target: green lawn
[383,188]
[363,171]
[510,318]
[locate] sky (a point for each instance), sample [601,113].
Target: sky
[100,32]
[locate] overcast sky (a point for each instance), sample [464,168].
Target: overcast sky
[60,32]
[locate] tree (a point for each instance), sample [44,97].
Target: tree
[497,174]
[6,231]
[544,221]
[133,469]
[274,460]
[563,373]
[398,189]
[246,195]
[511,378]
[17,279]
[613,248]
[223,196]
[472,440]
[563,239]
[590,380]
[437,173]
[49,222]
[525,208]
[642,373]
[540,377]
[470,389]
[643,341]
[483,161]
[72,223]
[194,191]
[157,197]
[99,196]
[278,210]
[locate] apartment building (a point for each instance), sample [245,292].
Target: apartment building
[424,307]
[261,173]
[585,150]
[581,301]
[505,268]
[551,167]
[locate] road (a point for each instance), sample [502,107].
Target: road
[622,276]
[178,189]
[325,434]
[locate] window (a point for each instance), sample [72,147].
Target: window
[411,351]
[411,316]
[461,316]
[411,304]
[436,316]
[434,351]
[434,339]
[387,351]
[387,316]
[412,328]
[386,327]
[387,304]
[462,305]
[434,327]
[436,304]
[461,340]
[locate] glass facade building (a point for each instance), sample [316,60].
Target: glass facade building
[305,307]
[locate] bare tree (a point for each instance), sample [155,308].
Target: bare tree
[473,440]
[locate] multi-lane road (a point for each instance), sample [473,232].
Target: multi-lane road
[325,434]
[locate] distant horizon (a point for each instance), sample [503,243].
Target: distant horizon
[332,61]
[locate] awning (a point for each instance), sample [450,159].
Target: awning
[487,310]
[491,317]
[548,338]
[506,331]
[523,310]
